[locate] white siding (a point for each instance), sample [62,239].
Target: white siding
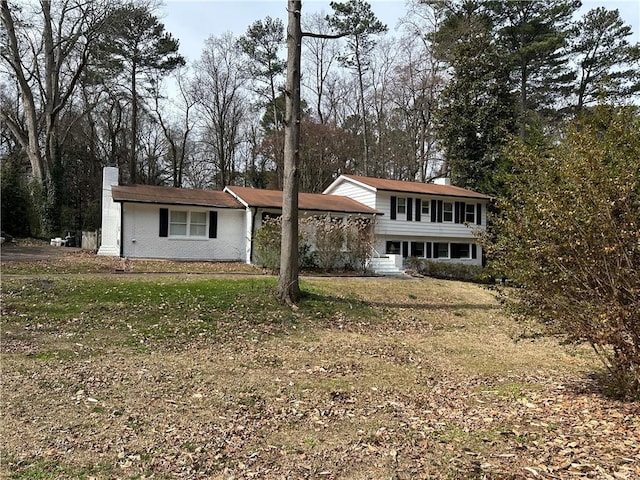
[401,227]
[141,235]
[381,245]
[355,192]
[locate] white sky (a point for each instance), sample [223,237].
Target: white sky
[193,21]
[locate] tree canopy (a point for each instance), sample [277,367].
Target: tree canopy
[440,96]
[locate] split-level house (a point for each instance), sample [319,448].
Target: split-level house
[411,219]
[424,220]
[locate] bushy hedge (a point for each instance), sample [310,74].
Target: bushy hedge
[449,270]
[568,234]
[325,242]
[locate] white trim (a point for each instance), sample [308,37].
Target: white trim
[341,179]
[236,196]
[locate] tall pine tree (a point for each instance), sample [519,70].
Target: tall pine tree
[477,108]
[608,65]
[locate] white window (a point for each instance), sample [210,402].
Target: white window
[178,223]
[470,213]
[402,205]
[425,209]
[198,224]
[447,212]
[187,224]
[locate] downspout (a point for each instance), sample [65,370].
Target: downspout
[253,227]
[122,229]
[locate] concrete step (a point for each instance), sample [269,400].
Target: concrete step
[384,266]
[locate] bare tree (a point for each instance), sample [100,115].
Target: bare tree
[356,20]
[177,133]
[46,54]
[288,286]
[321,55]
[219,89]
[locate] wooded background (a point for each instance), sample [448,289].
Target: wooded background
[84,84]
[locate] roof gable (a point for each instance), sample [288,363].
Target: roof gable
[173,196]
[415,187]
[254,197]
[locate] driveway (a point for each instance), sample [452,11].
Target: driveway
[10,252]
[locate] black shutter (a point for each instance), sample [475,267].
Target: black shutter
[164,222]
[213,224]
[418,209]
[409,209]
[456,212]
[428,249]
[474,251]
[440,211]
[434,210]
[393,208]
[435,250]
[405,249]
[463,212]
[479,214]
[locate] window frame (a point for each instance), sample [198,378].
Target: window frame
[424,250]
[468,250]
[426,204]
[470,213]
[188,225]
[440,244]
[446,212]
[390,243]
[401,202]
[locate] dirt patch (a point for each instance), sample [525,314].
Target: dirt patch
[33,253]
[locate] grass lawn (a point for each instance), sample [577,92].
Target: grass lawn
[206,376]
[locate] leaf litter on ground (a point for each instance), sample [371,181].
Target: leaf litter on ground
[371,378]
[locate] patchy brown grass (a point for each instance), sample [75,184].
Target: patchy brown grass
[371,378]
[81,261]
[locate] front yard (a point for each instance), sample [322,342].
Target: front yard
[205,376]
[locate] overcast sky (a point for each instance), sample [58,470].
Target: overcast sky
[193,21]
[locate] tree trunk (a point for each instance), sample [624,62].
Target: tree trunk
[365,126]
[28,136]
[288,286]
[523,100]
[134,127]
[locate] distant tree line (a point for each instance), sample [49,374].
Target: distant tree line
[89,84]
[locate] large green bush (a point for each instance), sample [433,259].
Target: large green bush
[568,236]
